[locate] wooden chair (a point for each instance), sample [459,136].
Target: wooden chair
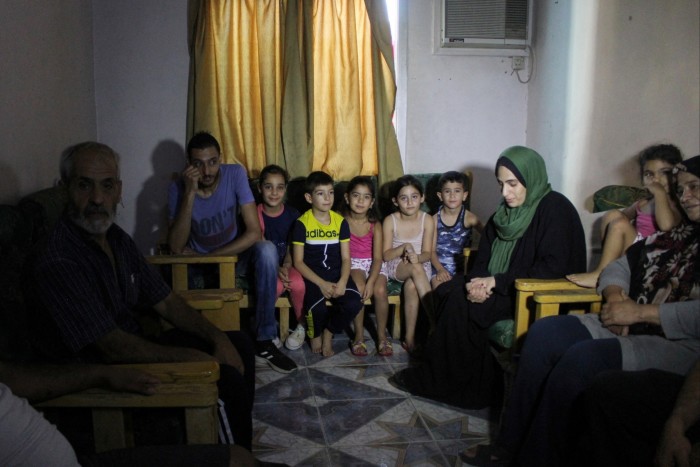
[537,298]
[220,306]
[190,385]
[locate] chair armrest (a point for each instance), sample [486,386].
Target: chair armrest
[548,302]
[535,285]
[191,259]
[179,263]
[525,289]
[183,384]
[210,299]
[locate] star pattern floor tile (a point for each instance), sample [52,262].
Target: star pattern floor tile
[341,411]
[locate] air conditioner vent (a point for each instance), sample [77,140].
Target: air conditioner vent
[486,23]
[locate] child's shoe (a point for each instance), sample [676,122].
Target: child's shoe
[296,338]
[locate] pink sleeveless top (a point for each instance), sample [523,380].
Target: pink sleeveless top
[361,247]
[645,223]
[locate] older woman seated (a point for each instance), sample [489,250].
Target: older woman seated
[651,320]
[535,232]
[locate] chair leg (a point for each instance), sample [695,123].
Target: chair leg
[109,429]
[284,323]
[201,423]
[396,328]
[546,309]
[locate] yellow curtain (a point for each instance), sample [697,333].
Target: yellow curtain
[236,79]
[306,84]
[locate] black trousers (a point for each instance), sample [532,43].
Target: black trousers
[623,417]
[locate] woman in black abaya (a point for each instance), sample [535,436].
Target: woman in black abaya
[534,233]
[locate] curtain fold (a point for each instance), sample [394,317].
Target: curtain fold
[306,84]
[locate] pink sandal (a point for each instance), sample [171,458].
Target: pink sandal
[385,349]
[359,349]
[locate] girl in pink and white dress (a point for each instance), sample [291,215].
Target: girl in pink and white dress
[367,267]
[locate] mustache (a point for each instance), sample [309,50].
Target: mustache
[90,210]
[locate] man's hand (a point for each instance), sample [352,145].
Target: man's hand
[620,312]
[131,380]
[191,177]
[226,354]
[188,251]
[674,448]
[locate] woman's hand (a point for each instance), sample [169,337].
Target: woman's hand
[480,289]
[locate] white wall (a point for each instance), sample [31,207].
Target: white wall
[46,89]
[461,111]
[639,56]
[141,71]
[612,77]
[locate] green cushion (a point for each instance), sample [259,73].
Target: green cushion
[501,333]
[616,197]
[242,283]
[393,287]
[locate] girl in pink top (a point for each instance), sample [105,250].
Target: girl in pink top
[658,211]
[366,262]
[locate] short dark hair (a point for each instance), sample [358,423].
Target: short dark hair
[270,170]
[453,176]
[202,140]
[315,179]
[659,152]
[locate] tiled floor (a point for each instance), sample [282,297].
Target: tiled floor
[341,411]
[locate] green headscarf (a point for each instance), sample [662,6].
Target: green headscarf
[511,223]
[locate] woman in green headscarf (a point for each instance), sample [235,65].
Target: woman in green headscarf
[536,233]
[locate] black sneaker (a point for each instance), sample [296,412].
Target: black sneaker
[267,354]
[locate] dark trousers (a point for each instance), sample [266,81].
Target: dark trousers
[236,391]
[320,317]
[624,415]
[558,362]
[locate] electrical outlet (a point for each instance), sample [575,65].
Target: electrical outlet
[518,63]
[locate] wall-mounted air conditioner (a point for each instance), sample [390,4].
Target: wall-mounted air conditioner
[483,27]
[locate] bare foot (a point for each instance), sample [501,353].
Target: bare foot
[327,343]
[586,279]
[316,344]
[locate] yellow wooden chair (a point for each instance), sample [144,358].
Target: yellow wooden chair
[221,306]
[190,386]
[537,298]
